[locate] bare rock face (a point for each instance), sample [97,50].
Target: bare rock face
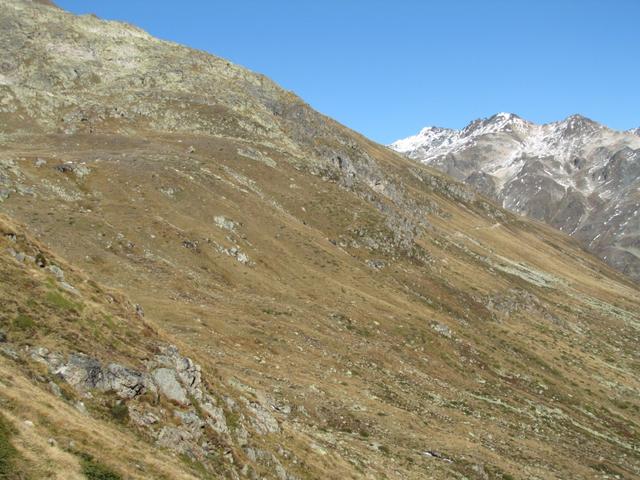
[216,419]
[178,381]
[576,175]
[168,384]
[179,376]
[85,373]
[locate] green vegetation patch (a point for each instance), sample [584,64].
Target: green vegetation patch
[94,470]
[24,322]
[8,453]
[119,412]
[59,301]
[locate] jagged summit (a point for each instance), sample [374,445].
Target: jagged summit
[437,137]
[576,125]
[500,122]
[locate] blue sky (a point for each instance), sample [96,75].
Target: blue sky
[388,68]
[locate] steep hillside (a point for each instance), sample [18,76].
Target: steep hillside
[235,286]
[575,175]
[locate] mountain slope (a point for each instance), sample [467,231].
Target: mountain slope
[575,175]
[338,310]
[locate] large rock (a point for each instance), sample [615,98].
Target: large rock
[186,370]
[86,373]
[176,377]
[167,382]
[81,372]
[125,382]
[217,421]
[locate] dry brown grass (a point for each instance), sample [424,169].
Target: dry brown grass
[23,401]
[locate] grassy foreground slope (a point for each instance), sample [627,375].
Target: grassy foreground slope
[337,310]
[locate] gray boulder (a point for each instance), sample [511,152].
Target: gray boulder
[126,383]
[186,370]
[216,420]
[81,372]
[85,373]
[167,382]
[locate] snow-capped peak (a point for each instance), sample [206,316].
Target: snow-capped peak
[427,136]
[505,139]
[438,138]
[500,122]
[578,125]
[560,139]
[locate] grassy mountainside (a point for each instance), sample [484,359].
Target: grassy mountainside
[337,310]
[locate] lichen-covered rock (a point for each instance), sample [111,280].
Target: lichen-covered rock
[126,383]
[187,372]
[167,382]
[81,372]
[85,373]
[262,419]
[216,419]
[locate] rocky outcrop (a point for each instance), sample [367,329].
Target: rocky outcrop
[86,374]
[125,382]
[177,379]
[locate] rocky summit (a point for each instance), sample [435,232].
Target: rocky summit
[576,175]
[203,278]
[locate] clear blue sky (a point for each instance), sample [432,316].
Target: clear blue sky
[388,68]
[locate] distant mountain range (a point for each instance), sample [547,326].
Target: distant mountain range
[576,175]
